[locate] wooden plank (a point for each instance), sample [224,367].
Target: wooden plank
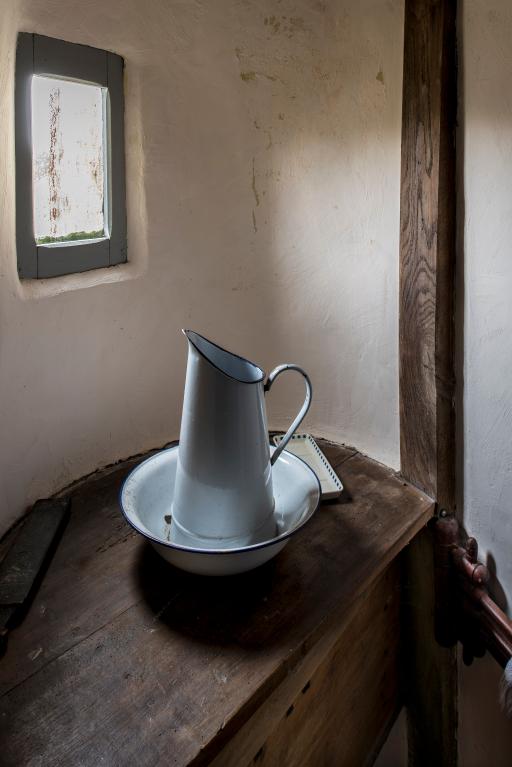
[23,561]
[427,248]
[141,660]
[59,58]
[118,237]
[432,669]
[86,585]
[337,454]
[427,267]
[55,261]
[25,243]
[335,707]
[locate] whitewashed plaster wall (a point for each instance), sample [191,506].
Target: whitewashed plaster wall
[488,278]
[485,736]
[263,157]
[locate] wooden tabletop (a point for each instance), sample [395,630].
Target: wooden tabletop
[124,660]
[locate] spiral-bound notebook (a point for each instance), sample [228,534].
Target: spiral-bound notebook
[305,447]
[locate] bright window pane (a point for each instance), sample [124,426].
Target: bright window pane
[68,160]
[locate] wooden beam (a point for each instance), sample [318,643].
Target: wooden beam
[431,670]
[427,249]
[427,423]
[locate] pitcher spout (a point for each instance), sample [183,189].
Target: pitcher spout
[231,365]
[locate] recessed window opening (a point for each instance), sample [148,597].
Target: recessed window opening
[70,178]
[69,161]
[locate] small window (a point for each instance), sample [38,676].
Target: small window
[70,185]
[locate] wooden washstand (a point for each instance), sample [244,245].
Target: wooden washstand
[123,660]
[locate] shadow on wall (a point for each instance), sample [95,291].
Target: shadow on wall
[485,734]
[484,362]
[495,587]
[286,189]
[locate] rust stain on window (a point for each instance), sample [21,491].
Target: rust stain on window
[68,160]
[55,156]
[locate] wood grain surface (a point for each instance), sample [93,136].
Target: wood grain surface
[431,669]
[338,704]
[427,248]
[427,383]
[125,660]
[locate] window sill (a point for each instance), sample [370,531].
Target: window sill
[54,286]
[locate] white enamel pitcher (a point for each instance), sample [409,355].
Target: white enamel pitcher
[223,493]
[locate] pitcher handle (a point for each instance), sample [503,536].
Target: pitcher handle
[302,412]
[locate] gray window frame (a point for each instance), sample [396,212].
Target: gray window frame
[40,55]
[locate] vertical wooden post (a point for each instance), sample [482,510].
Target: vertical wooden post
[427,248]
[427,433]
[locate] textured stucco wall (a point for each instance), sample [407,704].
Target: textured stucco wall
[488,278]
[263,154]
[485,28]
